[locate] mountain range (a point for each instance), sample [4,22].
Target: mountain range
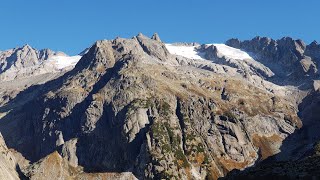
[140,108]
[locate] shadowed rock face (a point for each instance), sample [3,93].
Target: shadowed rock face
[131,109]
[313,50]
[303,168]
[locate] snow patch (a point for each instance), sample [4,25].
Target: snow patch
[192,53]
[232,56]
[185,51]
[61,62]
[231,52]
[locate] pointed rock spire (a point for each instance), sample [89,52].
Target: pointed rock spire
[26,46]
[156,37]
[140,35]
[314,43]
[234,42]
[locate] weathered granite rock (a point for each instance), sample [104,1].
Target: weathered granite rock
[8,164]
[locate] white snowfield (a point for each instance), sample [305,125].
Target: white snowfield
[192,53]
[62,62]
[185,51]
[233,57]
[231,52]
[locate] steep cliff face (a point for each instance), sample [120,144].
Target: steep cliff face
[129,105]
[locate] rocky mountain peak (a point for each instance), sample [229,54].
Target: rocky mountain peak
[45,54]
[140,35]
[153,47]
[314,43]
[19,63]
[26,47]
[100,53]
[110,51]
[262,39]
[234,42]
[313,50]
[156,37]
[289,42]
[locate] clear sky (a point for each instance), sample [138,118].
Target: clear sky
[73,25]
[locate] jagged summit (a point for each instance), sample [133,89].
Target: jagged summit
[289,59]
[313,43]
[156,37]
[25,61]
[26,46]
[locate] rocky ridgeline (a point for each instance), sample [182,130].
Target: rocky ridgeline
[291,60]
[131,109]
[25,62]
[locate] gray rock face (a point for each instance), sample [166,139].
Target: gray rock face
[313,50]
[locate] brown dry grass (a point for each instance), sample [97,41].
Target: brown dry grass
[98,97]
[265,144]
[230,164]
[188,172]
[198,91]
[199,158]
[101,69]
[213,172]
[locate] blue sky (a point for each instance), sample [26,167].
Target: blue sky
[72,25]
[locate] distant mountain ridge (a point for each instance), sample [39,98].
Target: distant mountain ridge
[288,58]
[26,61]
